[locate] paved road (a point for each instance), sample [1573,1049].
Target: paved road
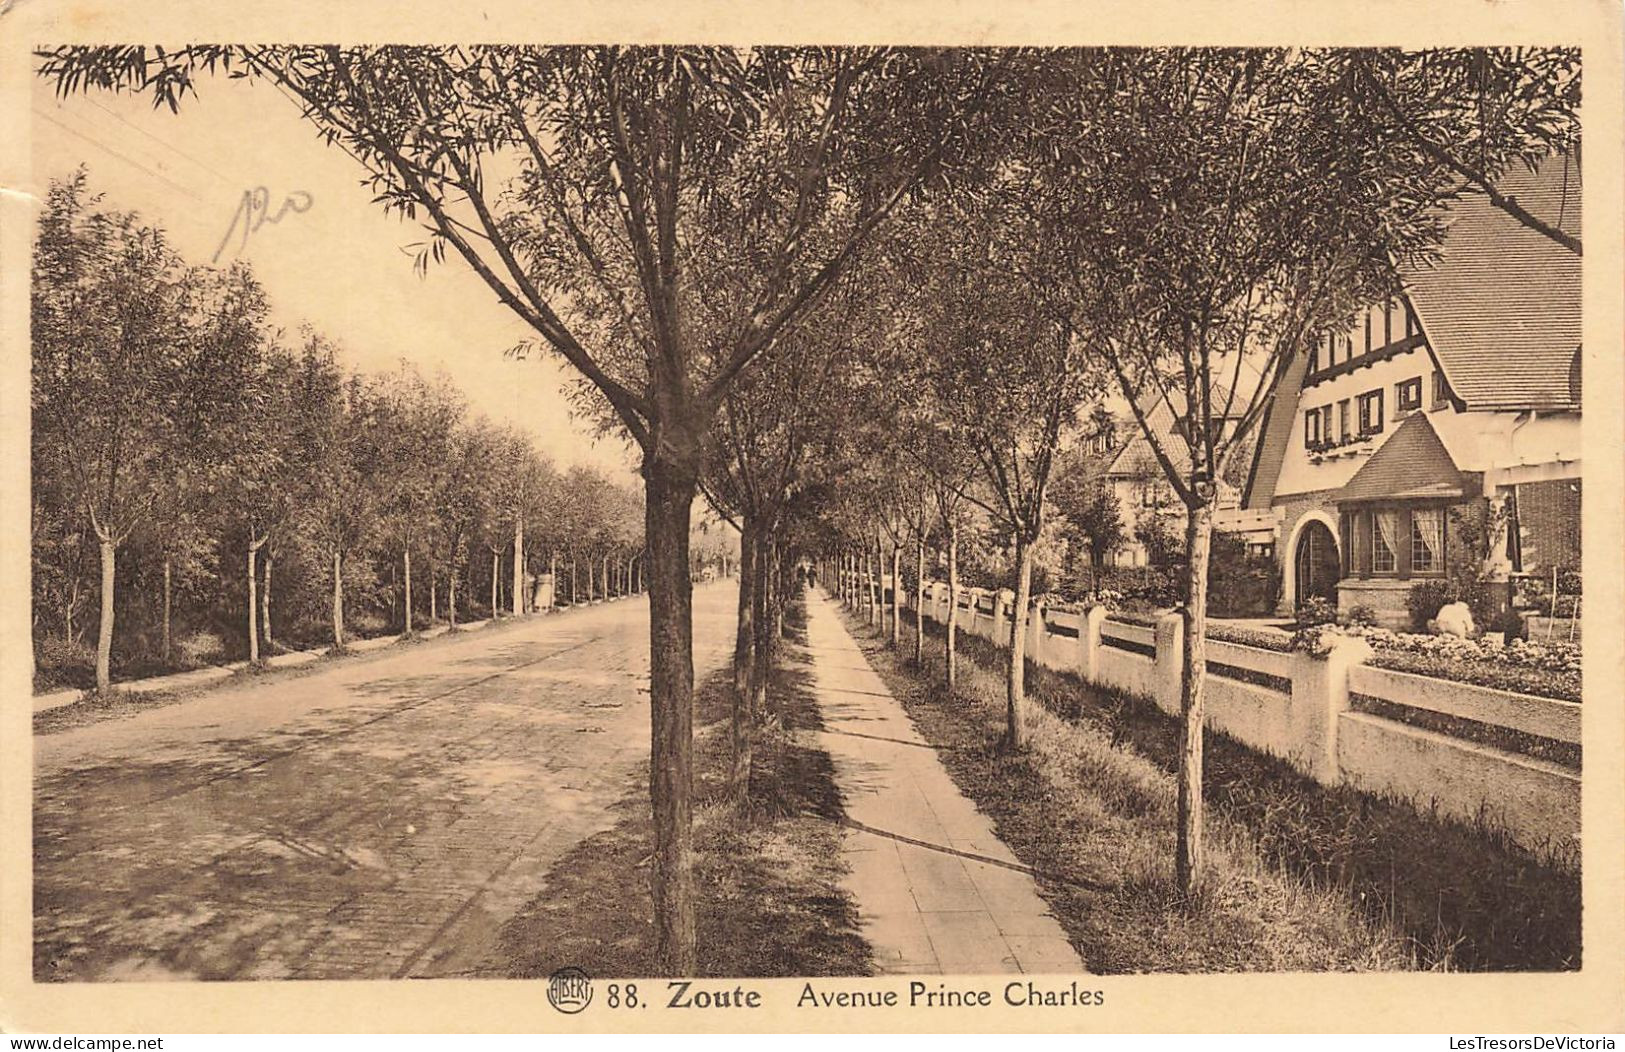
[380,818]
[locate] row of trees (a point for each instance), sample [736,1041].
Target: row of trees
[946,249]
[193,452]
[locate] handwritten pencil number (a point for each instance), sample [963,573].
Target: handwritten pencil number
[254,211]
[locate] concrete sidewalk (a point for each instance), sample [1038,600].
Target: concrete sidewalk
[937,891]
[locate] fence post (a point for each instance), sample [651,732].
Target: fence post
[1036,628]
[1089,643]
[1320,694]
[1168,674]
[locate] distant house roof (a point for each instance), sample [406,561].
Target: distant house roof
[1135,455]
[1501,308]
[1413,464]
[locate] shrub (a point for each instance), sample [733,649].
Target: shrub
[1316,611]
[1251,637]
[200,648]
[1239,584]
[1362,615]
[1146,587]
[1424,600]
[60,663]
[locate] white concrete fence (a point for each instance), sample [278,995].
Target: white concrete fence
[1297,706]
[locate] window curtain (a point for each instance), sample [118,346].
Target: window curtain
[1386,553]
[1428,531]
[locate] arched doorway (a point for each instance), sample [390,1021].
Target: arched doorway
[1316,565]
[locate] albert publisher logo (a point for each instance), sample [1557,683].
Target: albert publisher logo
[569,990]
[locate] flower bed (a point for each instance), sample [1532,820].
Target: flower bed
[1549,668]
[1483,672]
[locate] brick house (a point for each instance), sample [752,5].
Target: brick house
[1442,429]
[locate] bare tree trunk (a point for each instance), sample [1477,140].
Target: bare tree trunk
[104,631]
[572,578]
[743,666]
[745,616]
[265,601]
[1193,662]
[781,584]
[762,619]
[880,583]
[608,588]
[451,595]
[496,574]
[896,596]
[434,598]
[1015,687]
[950,650]
[406,561]
[919,597]
[553,572]
[668,504]
[338,600]
[253,604]
[518,597]
[169,594]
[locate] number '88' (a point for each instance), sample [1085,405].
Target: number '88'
[628,994]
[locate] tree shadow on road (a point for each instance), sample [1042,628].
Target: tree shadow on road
[767,876]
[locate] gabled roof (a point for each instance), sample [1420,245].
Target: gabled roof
[1135,455]
[1501,308]
[1412,464]
[1275,435]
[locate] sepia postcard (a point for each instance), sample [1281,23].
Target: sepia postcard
[843,517]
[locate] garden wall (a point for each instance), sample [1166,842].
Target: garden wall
[1296,706]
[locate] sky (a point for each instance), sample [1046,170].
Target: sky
[337,263]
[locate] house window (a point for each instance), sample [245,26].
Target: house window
[1314,359]
[1370,413]
[1368,332]
[1311,429]
[1343,420]
[1408,394]
[1441,389]
[1384,541]
[1427,540]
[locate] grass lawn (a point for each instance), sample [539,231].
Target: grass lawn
[768,882]
[1302,877]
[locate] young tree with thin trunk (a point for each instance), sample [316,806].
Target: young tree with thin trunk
[1009,378]
[107,318]
[338,446]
